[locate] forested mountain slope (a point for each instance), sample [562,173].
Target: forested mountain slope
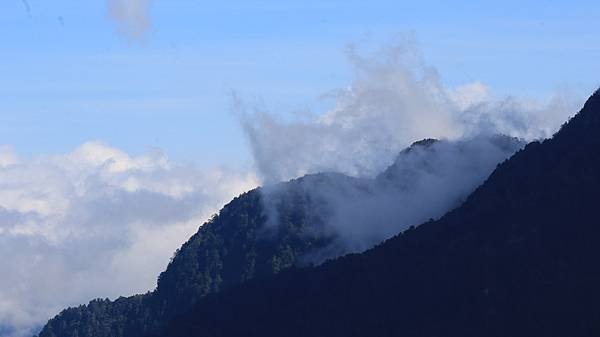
[294,224]
[518,258]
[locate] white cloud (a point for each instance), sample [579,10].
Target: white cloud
[7,156]
[96,222]
[394,100]
[470,95]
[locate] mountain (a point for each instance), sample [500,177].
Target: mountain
[518,258]
[295,224]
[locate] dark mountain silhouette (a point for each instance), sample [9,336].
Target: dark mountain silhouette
[518,258]
[266,231]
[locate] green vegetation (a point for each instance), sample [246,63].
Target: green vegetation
[235,245]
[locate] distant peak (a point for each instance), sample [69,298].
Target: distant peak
[424,142]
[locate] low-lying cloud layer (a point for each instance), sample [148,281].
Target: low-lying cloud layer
[95,222]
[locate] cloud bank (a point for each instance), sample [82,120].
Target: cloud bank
[95,222]
[131,16]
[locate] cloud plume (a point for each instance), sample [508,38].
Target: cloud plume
[95,222]
[131,17]
[394,100]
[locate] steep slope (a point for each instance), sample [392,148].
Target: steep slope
[519,258]
[230,248]
[300,222]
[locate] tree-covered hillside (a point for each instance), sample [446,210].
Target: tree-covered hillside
[230,248]
[294,224]
[518,258]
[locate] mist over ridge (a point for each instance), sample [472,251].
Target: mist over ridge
[363,175]
[425,181]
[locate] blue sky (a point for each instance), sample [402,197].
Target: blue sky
[67,76]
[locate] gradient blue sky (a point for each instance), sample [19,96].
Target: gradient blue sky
[67,76]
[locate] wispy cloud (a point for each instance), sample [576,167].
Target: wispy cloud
[131,16]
